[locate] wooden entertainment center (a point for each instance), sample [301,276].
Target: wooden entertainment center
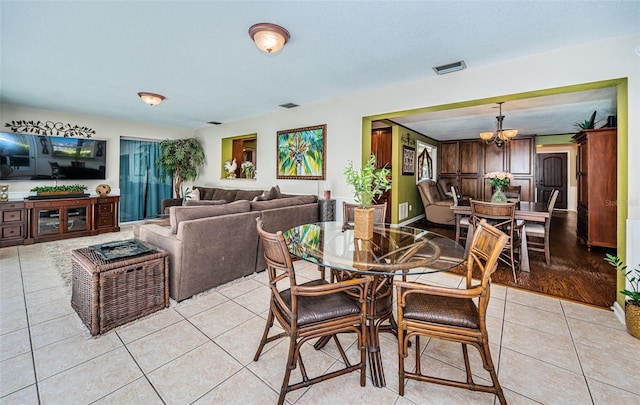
[43,220]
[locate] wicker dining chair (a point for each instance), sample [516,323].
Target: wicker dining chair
[513,193]
[462,223]
[542,231]
[379,212]
[315,309]
[452,314]
[384,288]
[501,216]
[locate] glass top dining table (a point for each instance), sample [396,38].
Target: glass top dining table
[393,249]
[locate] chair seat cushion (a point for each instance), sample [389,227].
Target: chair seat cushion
[464,221]
[535,229]
[321,308]
[450,311]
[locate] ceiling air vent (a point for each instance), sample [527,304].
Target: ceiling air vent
[449,68]
[214,122]
[289,105]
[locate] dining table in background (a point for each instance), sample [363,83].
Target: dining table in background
[525,210]
[393,251]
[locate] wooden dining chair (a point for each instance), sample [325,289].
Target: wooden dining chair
[462,224]
[315,309]
[455,315]
[513,193]
[501,216]
[542,231]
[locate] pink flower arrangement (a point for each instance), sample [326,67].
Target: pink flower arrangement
[499,179]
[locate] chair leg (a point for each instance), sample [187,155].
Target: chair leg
[291,364]
[402,354]
[547,251]
[265,334]
[488,365]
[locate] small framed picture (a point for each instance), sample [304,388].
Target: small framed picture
[408,160]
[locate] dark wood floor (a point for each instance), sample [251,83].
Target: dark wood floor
[575,273]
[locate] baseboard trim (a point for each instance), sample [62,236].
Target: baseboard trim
[619,311]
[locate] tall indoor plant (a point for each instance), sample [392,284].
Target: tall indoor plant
[632,304]
[368,183]
[182,159]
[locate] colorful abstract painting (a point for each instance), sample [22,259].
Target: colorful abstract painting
[301,153]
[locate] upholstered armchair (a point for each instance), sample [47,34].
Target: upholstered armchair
[436,209]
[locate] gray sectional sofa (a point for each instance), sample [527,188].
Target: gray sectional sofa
[213,243]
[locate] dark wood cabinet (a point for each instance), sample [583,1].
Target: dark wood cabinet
[461,164]
[597,187]
[516,157]
[61,218]
[13,223]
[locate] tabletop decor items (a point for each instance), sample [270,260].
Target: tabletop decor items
[499,180]
[632,304]
[103,189]
[59,190]
[247,169]
[230,167]
[4,192]
[368,184]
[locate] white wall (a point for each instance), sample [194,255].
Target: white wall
[106,129]
[603,60]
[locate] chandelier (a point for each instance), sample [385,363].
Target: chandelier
[501,136]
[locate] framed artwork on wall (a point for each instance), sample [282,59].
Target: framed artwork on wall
[408,160]
[301,153]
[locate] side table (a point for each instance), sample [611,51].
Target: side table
[110,293]
[327,210]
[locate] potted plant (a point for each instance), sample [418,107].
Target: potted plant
[368,183]
[182,159]
[632,303]
[59,190]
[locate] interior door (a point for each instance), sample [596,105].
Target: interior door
[552,174]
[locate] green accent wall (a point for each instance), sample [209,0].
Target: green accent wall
[554,139]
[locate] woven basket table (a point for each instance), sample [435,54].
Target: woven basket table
[110,293]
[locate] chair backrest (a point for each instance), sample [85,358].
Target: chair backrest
[454,194]
[512,192]
[486,246]
[428,192]
[499,215]
[443,186]
[278,259]
[552,200]
[379,212]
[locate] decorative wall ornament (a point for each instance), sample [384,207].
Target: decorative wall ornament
[50,128]
[407,138]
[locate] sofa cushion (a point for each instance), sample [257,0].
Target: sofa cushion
[222,194]
[206,193]
[179,214]
[273,193]
[248,194]
[282,202]
[195,203]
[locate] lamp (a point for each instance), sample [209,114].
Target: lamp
[269,38]
[151,98]
[501,136]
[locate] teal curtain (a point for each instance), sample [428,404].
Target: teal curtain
[142,188]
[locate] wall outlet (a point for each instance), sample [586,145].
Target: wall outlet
[410,207]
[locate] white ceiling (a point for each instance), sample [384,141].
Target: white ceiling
[92,57]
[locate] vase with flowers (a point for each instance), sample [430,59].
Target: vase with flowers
[247,168]
[498,180]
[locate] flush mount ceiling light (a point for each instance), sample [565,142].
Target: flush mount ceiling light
[501,135]
[151,98]
[269,38]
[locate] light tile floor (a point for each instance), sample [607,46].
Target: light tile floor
[201,350]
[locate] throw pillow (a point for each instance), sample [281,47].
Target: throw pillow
[195,194]
[273,193]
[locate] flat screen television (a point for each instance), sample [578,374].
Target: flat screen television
[36,157]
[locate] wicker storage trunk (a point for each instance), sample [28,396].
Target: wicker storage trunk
[106,294]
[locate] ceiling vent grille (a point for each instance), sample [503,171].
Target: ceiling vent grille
[289,105]
[450,68]
[214,122]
